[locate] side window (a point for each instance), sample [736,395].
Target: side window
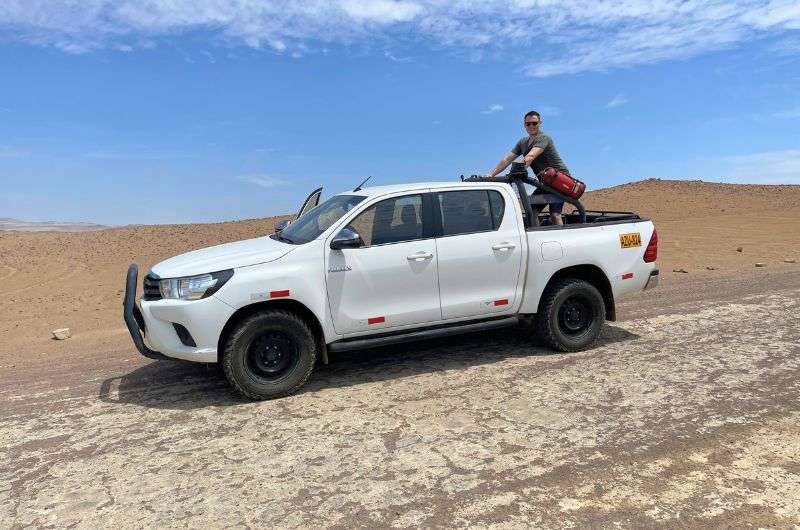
[465,212]
[498,208]
[390,221]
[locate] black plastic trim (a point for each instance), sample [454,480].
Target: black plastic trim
[429,209]
[184,335]
[402,336]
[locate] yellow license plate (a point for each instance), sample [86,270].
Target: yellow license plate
[634,239]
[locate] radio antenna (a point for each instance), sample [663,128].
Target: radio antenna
[358,188]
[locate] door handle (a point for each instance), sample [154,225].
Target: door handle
[420,256]
[504,246]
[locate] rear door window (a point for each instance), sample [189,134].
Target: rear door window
[391,221]
[470,211]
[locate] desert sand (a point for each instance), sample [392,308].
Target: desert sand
[683,415]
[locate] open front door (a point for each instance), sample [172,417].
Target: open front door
[311,201]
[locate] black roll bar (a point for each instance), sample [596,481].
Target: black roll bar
[518,176]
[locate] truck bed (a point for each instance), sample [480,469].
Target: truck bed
[596,244]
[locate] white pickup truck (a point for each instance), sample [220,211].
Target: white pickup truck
[383,265]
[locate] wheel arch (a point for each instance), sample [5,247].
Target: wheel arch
[595,276]
[292,306]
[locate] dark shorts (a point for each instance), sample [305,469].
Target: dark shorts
[555,207]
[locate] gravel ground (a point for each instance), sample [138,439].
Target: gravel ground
[686,414]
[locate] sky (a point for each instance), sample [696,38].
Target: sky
[173,111]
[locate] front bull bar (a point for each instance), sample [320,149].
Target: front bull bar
[133,316]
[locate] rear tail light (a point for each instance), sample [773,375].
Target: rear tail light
[651,253]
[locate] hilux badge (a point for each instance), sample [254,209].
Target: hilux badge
[340,269]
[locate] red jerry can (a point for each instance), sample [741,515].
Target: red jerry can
[562,183]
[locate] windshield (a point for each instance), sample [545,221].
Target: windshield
[311,224]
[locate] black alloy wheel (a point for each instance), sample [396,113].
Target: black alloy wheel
[575,315]
[269,354]
[571,315]
[272,355]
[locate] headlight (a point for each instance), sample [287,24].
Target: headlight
[193,287]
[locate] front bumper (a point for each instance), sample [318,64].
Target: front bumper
[151,324]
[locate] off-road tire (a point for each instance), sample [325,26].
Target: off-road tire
[551,327]
[237,363]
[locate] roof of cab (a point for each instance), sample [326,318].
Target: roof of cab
[372,191]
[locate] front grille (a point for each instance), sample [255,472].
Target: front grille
[150,288]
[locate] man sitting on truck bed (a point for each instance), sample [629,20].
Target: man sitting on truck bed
[540,153]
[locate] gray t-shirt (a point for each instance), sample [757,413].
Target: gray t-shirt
[549,156]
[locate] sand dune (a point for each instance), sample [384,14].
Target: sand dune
[76,279]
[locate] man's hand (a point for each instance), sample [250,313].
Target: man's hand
[502,165]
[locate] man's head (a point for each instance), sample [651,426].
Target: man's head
[532,122]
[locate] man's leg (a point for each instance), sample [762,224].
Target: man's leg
[555,213]
[537,209]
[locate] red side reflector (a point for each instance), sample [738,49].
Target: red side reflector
[651,254]
[627,276]
[279,294]
[504,301]
[376,320]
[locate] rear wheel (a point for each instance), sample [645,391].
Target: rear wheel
[570,315]
[269,355]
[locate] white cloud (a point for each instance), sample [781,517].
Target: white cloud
[769,167]
[571,36]
[394,58]
[492,109]
[381,11]
[263,181]
[617,101]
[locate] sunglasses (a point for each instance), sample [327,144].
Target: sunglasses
[531,123]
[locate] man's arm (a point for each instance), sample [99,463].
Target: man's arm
[531,156]
[502,164]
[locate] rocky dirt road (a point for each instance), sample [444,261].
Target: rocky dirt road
[685,415]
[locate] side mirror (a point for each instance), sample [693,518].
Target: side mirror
[347,238]
[281,225]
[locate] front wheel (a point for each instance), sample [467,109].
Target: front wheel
[269,355]
[570,315]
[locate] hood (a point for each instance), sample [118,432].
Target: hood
[222,257]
